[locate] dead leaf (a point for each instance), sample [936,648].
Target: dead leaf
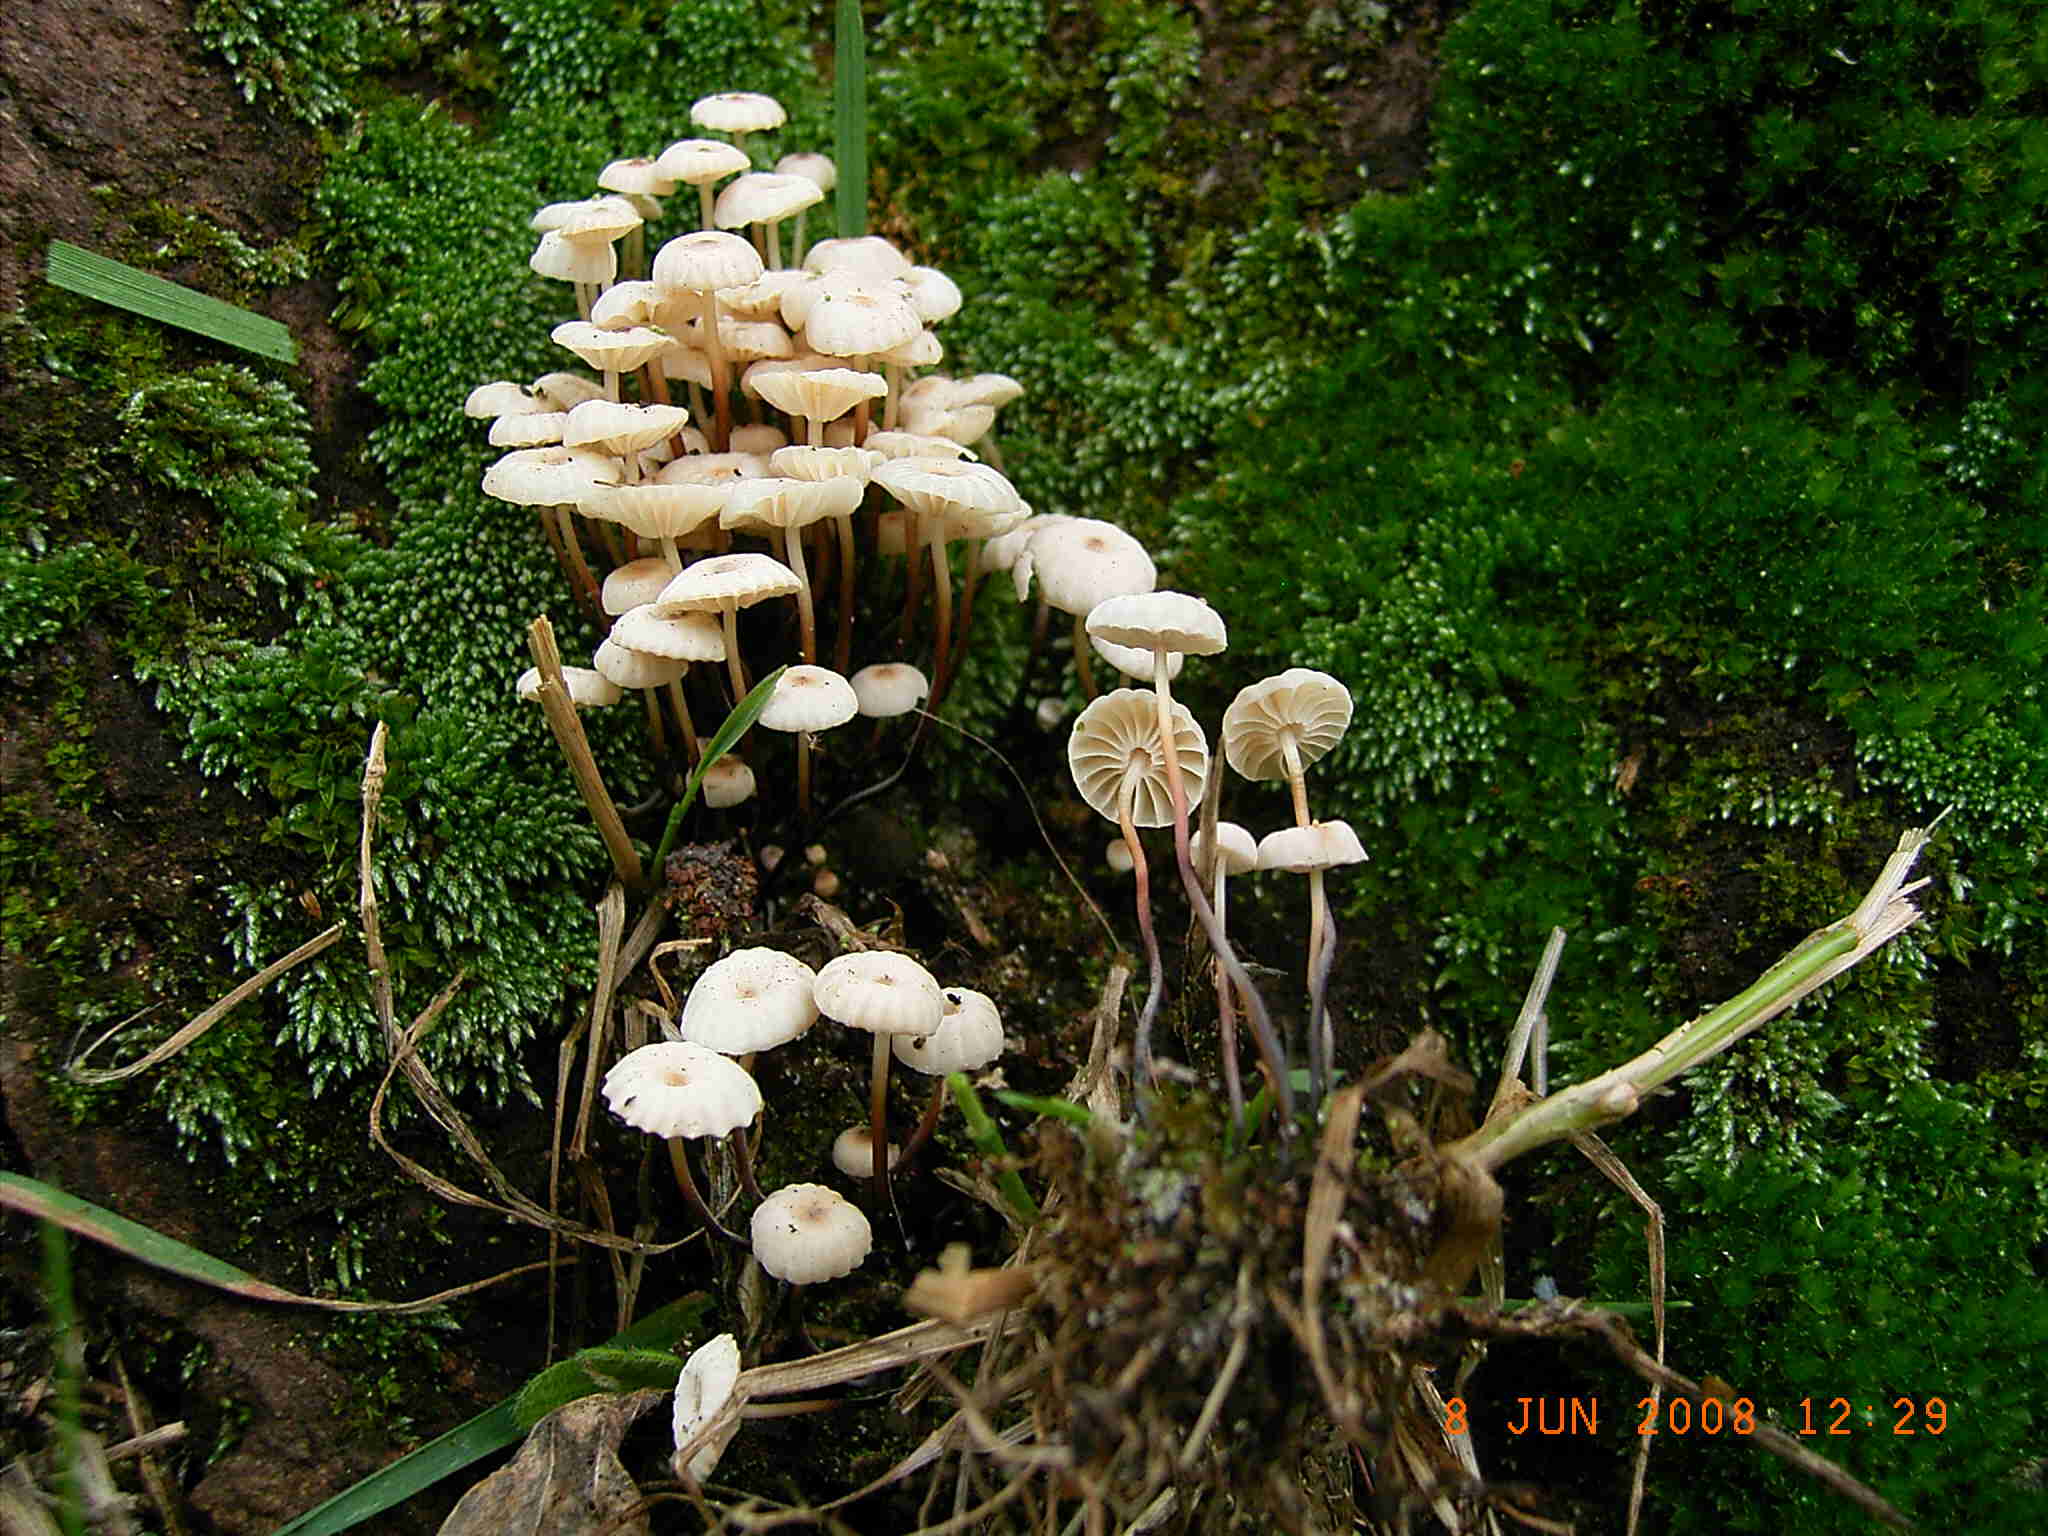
[567,1479]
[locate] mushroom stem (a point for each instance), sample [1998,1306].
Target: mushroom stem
[682,708]
[847,562]
[913,575]
[1085,670]
[1255,1006]
[878,1123]
[1041,625]
[807,617]
[580,578]
[734,667]
[803,774]
[679,1159]
[968,582]
[1318,920]
[721,393]
[1226,1009]
[1141,1041]
[743,1160]
[942,608]
[704,206]
[925,1125]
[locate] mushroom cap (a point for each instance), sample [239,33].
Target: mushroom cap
[804,1233]
[963,424]
[528,429]
[574,261]
[1153,621]
[924,350]
[751,1000]
[967,493]
[819,394]
[737,112]
[1310,708]
[638,175]
[636,582]
[549,477]
[759,437]
[870,256]
[704,261]
[809,698]
[1319,845]
[500,397]
[673,1088]
[1131,661]
[726,783]
[889,688]
[703,1388]
[1234,847]
[686,637]
[712,469]
[587,220]
[1116,853]
[811,165]
[620,428]
[798,462]
[1119,732]
[696,161]
[615,351]
[633,302]
[933,295]
[880,991]
[631,667]
[657,509]
[968,1038]
[763,197]
[853,1152]
[847,321]
[784,503]
[726,581]
[587,686]
[1085,561]
[566,391]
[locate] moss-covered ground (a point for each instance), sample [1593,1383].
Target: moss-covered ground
[1639,410]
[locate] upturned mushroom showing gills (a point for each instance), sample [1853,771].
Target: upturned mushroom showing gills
[1118,759]
[1274,729]
[886,994]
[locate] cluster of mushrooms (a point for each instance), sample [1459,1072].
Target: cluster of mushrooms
[1139,758]
[700,1086]
[806,386]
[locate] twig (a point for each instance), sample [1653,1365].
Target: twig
[568,729]
[201,1023]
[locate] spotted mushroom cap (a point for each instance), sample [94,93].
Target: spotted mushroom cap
[853,1152]
[697,161]
[805,1233]
[968,1038]
[1309,708]
[726,783]
[1083,561]
[752,1000]
[809,698]
[673,1088]
[1119,732]
[882,992]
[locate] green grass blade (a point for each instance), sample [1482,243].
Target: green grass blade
[989,1139]
[68,1350]
[850,119]
[489,1432]
[118,284]
[1057,1109]
[744,714]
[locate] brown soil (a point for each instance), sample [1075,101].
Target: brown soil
[106,106]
